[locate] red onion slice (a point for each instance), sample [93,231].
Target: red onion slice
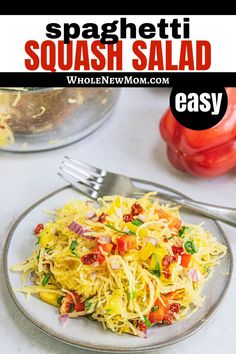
[194,274]
[79,230]
[63,318]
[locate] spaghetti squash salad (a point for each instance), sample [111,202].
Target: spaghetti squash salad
[129,263]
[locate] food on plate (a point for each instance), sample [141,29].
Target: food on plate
[203,153]
[127,263]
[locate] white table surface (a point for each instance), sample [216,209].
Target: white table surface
[128,143]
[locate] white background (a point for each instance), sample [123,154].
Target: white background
[128,143]
[16,30]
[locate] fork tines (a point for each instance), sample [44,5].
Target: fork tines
[82,176]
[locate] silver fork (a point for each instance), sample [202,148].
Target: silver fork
[96,182]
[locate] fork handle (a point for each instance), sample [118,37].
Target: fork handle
[217,212]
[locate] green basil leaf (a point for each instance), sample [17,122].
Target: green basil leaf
[156,271]
[87,304]
[37,242]
[73,244]
[155,308]
[137,222]
[146,321]
[190,247]
[90,317]
[131,295]
[131,233]
[182,231]
[38,256]
[46,278]
[59,299]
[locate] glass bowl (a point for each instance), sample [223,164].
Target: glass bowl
[36,119]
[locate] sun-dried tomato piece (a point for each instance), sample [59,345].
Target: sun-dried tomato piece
[102,218]
[170,314]
[177,250]
[175,307]
[167,260]
[38,229]
[169,318]
[90,258]
[166,273]
[136,209]
[127,217]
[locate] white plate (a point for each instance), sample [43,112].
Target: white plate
[90,335]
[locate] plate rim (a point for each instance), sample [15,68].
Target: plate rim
[100,348]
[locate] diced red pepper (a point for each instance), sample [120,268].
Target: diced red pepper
[126,243]
[69,302]
[162,214]
[79,305]
[159,314]
[185,260]
[175,224]
[175,295]
[66,304]
[106,248]
[38,229]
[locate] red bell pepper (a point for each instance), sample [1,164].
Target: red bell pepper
[185,260]
[126,243]
[159,311]
[106,248]
[69,302]
[203,153]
